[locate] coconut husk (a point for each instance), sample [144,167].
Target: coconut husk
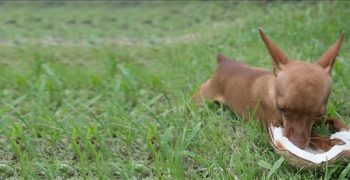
[296,161]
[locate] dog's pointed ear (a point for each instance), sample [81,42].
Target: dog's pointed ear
[328,58]
[279,58]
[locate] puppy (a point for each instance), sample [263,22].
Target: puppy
[294,95]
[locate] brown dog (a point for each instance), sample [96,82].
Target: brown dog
[294,96]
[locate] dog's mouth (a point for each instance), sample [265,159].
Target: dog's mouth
[300,143]
[298,133]
[300,140]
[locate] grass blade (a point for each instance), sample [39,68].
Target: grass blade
[275,166]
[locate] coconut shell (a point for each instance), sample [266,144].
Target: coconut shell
[296,161]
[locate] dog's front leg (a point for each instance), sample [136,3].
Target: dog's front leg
[325,143]
[336,124]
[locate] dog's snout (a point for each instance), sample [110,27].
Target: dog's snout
[299,139]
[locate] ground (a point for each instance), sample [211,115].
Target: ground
[102,90]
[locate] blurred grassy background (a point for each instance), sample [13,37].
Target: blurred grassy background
[102,90]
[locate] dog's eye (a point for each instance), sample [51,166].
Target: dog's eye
[283,110]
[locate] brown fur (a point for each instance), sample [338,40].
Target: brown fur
[294,96]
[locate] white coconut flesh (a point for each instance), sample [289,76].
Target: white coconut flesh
[309,154]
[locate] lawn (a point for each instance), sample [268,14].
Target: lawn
[102,90]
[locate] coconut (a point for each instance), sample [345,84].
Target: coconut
[309,158]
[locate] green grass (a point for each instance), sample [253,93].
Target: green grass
[103,90]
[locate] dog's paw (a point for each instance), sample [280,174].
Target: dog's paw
[325,143]
[329,143]
[336,141]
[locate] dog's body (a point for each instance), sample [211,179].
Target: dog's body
[241,87]
[295,96]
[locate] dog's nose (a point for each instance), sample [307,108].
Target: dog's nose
[298,141]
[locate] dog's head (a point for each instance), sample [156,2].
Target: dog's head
[301,90]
